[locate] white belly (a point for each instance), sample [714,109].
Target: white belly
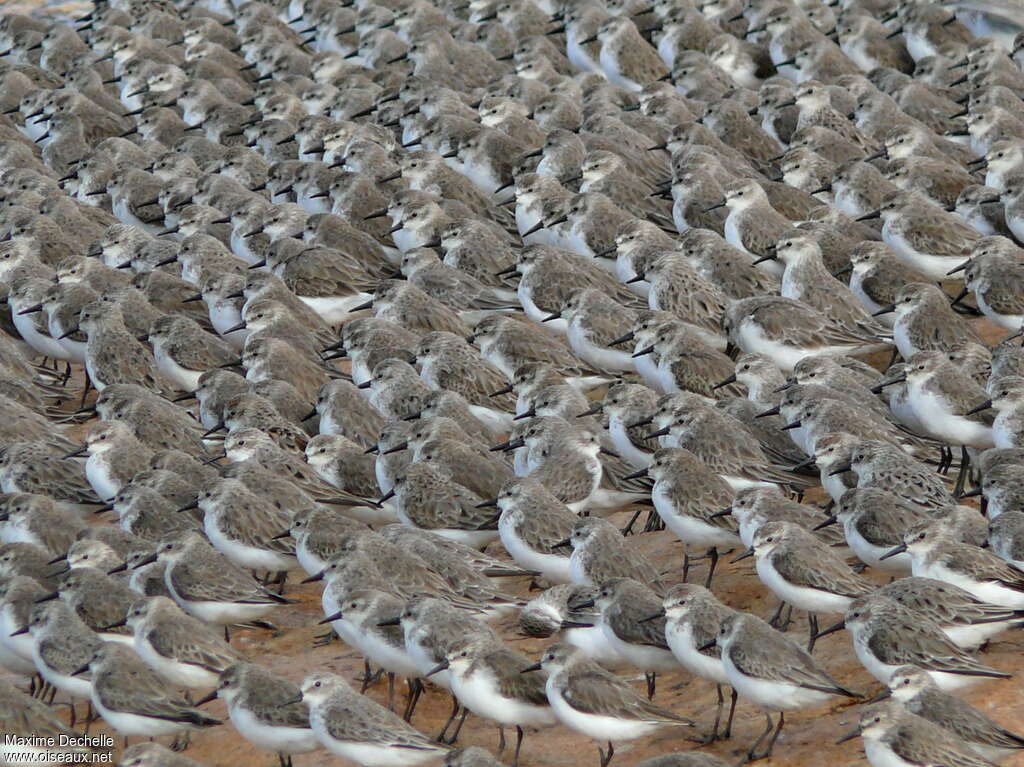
[624,445]
[602,728]
[185,380]
[835,486]
[240,247]
[75,686]
[133,724]
[902,340]
[288,740]
[802,597]
[600,357]
[649,371]
[972,637]
[1008,321]
[249,557]
[644,657]
[774,696]
[222,613]
[392,658]
[479,693]
[732,232]
[19,646]
[12,661]
[335,311]
[553,567]
[179,674]
[986,591]
[751,338]
[42,344]
[689,530]
[425,662]
[308,562]
[98,474]
[953,429]
[497,421]
[577,571]
[594,644]
[371,755]
[880,755]
[679,637]
[870,554]
[535,313]
[934,267]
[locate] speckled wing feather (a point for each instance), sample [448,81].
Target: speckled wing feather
[354,719]
[699,493]
[603,326]
[192,642]
[882,284]
[1008,296]
[591,276]
[546,529]
[888,527]
[626,626]
[984,568]
[99,613]
[931,747]
[690,297]
[540,345]
[40,470]
[945,603]
[67,653]
[451,506]
[423,542]
[962,719]
[797,324]
[137,690]
[616,469]
[775,443]
[760,229]
[704,500]
[907,643]
[567,481]
[514,684]
[927,490]
[593,690]
[200,353]
[218,582]
[697,370]
[260,528]
[288,715]
[937,233]
[323,272]
[616,561]
[357,472]
[777,659]
[825,572]
[476,382]
[729,449]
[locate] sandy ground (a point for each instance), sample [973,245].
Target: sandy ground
[808,739]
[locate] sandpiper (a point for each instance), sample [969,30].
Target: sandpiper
[591,700]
